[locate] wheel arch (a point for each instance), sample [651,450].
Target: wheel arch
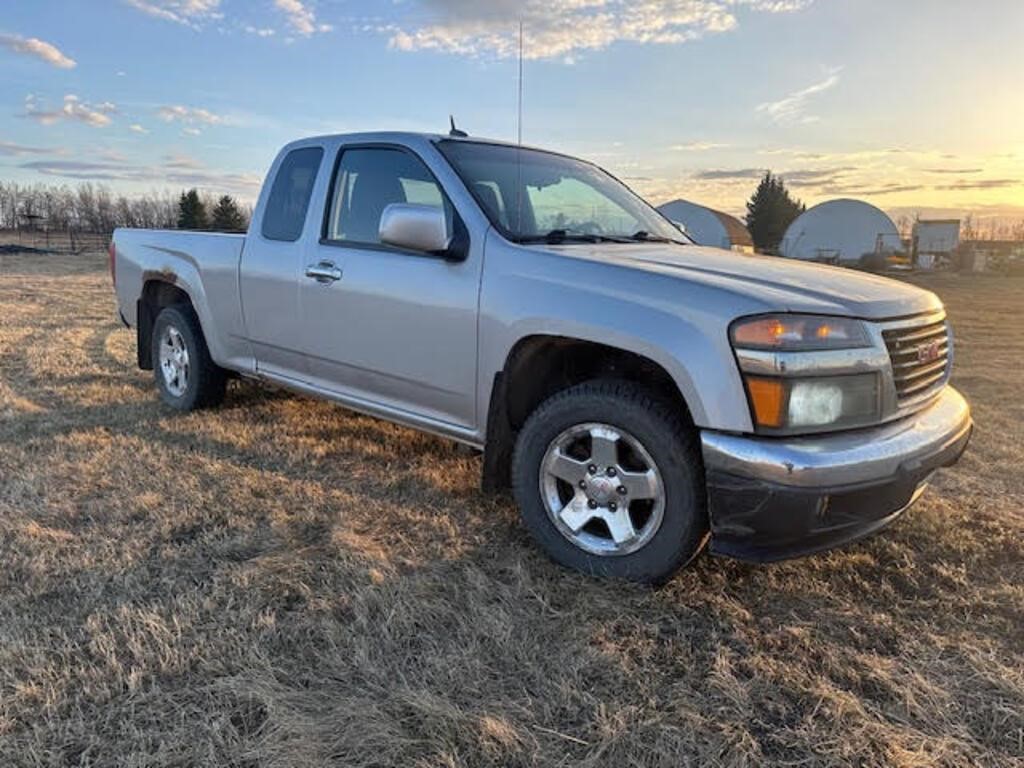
[540,365]
[157,294]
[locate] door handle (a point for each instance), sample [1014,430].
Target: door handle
[325,272]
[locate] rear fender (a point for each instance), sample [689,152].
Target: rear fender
[184,275]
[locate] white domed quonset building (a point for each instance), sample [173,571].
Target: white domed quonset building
[840,231]
[708,226]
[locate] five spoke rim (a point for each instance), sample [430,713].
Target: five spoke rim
[601,489]
[174,361]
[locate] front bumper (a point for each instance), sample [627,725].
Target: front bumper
[776,498]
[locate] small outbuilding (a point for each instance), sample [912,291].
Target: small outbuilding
[708,226]
[938,237]
[840,231]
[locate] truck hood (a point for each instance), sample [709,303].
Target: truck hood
[780,284]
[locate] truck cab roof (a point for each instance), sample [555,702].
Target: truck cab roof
[408,138]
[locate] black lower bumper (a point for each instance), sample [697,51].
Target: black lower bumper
[763,521]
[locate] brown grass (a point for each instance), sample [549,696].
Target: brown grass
[282,583]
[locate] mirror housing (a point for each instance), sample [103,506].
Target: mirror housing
[414,227]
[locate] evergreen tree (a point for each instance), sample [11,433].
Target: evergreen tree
[227,216]
[770,211]
[192,211]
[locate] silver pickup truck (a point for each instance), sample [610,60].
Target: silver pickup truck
[640,394]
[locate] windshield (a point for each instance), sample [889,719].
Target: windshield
[534,196]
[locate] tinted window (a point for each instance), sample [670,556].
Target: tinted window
[289,197]
[368,181]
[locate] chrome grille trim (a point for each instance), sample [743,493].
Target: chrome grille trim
[920,353]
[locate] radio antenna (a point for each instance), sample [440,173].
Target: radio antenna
[519,116]
[455,131]
[519,139]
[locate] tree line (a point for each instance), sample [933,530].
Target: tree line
[197,212]
[97,209]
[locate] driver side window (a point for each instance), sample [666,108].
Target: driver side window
[367,181]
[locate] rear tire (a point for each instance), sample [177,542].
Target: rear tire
[186,376]
[609,481]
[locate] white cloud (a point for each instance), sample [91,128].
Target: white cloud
[110,156]
[181,162]
[301,17]
[187,12]
[299,14]
[793,108]
[177,170]
[136,128]
[19,150]
[33,46]
[558,28]
[96,115]
[189,116]
[779,6]
[697,146]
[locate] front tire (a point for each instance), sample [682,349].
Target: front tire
[609,481]
[186,376]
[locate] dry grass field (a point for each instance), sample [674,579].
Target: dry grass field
[283,583]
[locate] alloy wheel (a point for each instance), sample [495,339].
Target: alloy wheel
[601,489]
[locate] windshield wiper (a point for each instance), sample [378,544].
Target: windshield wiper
[556,236]
[643,236]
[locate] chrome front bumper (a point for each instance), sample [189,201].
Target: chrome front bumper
[772,498]
[847,458]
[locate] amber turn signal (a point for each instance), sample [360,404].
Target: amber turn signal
[767,398]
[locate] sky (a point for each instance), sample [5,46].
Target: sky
[912,105]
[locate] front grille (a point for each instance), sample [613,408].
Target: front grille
[920,359]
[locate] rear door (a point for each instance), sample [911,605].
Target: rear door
[273,261]
[396,329]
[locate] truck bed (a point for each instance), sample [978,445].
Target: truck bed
[203,264]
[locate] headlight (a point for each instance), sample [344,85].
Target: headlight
[799,333]
[814,403]
[788,363]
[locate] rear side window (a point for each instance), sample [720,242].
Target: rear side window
[289,196]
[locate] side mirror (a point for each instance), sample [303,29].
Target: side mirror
[679,225]
[414,227]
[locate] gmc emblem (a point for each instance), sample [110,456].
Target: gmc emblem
[928,353]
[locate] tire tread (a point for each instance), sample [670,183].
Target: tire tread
[680,435]
[209,380]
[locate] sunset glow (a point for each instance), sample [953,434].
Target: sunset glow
[913,106]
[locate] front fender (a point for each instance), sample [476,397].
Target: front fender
[683,331]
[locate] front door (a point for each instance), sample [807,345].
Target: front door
[393,328]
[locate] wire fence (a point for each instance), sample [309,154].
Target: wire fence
[56,241]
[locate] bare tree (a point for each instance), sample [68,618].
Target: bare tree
[968,230]
[88,207]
